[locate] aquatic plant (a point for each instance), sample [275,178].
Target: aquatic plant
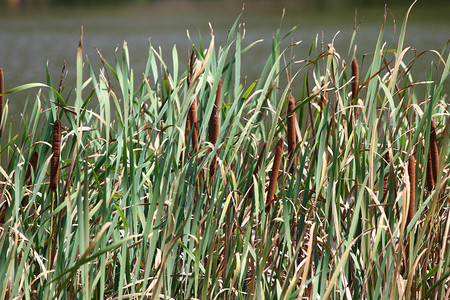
[132,213]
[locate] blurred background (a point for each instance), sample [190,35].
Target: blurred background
[36,32]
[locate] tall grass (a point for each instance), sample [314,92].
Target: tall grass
[137,211]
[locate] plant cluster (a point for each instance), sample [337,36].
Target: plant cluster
[324,178]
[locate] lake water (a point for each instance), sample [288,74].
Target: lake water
[31,37]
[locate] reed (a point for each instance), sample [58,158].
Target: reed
[214,123]
[274,173]
[412,191]
[56,151]
[291,131]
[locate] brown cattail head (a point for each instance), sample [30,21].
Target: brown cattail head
[355,80]
[433,159]
[412,184]
[56,150]
[434,151]
[213,133]
[188,127]
[2,99]
[194,123]
[31,166]
[291,132]
[274,174]
[214,120]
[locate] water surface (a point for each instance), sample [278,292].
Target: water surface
[32,37]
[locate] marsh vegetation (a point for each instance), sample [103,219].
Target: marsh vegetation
[326,177]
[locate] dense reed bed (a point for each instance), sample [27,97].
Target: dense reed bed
[180,185]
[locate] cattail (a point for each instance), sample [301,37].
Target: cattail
[355,80]
[433,159]
[56,149]
[213,133]
[274,174]
[188,128]
[194,123]
[434,151]
[412,184]
[355,84]
[291,133]
[2,100]
[31,166]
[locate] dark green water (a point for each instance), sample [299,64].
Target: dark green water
[31,37]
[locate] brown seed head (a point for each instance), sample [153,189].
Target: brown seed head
[194,123]
[31,166]
[214,120]
[274,174]
[434,151]
[355,80]
[291,133]
[56,150]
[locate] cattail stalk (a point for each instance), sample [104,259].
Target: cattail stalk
[56,150]
[291,132]
[213,133]
[412,191]
[2,100]
[355,83]
[274,174]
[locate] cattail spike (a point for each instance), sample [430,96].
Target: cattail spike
[291,132]
[214,120]
[31,166]
[412,184]
[355,80]
[56,150]
[433,159]
[194,123]
[213,133]
[274,174]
